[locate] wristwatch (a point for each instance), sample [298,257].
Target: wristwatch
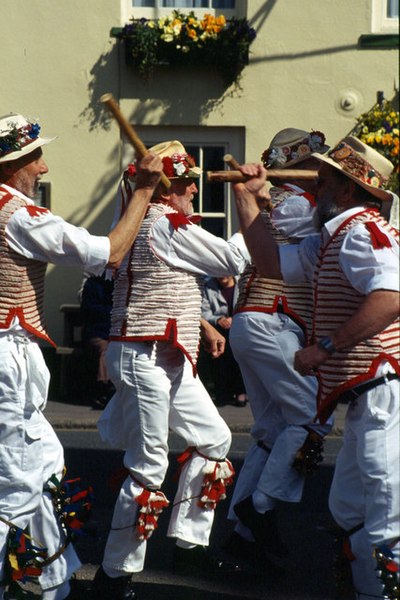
[326,344]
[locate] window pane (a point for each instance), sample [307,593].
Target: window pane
[213,194]
[214,226]
[392,9]
[184,3]
[223,3]
[144,3]
[216,4]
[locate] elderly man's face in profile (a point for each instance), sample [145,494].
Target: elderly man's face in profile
[181,195]
[330,186]
[26,172]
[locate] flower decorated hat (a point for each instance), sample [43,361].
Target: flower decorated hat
[291,146]
[19,137]
[177,163]
[361,163]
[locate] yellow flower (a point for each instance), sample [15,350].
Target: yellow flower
[192,33]
[176,26]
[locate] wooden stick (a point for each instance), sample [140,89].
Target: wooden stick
[231,161]
[237,176]
[129,131]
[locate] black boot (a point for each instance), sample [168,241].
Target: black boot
[263,526]
[250,558]
[199,560]
[240,548]
[112,588]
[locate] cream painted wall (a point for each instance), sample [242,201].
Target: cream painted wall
[58,58]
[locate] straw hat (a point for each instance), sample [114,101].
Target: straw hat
[177,163]
[361,163]
[291,146]
[18,137]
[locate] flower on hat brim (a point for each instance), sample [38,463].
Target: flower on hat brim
[180,166]
[371,174]
[19,138]
[295,152]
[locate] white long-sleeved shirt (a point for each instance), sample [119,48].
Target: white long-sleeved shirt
[48,238]
[194,249]
[366,268]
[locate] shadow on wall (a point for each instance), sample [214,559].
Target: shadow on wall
[160,96]
[159,101]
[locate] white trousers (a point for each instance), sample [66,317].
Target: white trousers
[365,488]
[30,453]
[282,401]
[156,392]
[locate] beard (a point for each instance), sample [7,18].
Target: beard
[324,212]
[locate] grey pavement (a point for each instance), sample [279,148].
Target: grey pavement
[309,575]
[65,415]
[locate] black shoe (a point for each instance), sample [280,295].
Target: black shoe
[199,559]
[240,400]
[110,588]
[263,526]
[79,589]
[100,403]
[251,559]
[240,548]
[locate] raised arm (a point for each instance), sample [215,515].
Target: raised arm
[261,244]
[124,233]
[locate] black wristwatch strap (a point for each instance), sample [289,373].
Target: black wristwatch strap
[326,344]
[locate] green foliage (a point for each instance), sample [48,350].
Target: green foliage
[182,39]
[379,128]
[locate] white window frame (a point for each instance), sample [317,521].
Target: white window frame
[128,11]
[380,22]
[232,139]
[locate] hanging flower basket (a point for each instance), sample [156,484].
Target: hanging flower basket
[379,128]
[183,39]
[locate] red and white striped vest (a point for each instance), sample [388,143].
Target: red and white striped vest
[260,294]
[22,279]
[153,301]
[335,302]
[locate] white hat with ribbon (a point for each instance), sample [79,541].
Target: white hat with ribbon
[291,146]
[361,163]
[19,137]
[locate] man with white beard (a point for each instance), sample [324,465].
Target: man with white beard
[353,265]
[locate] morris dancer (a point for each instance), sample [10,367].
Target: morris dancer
[31,456]
[272,321]
[354,266]
[151,360]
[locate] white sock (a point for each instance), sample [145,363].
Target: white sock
[185,545]
[262,502]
